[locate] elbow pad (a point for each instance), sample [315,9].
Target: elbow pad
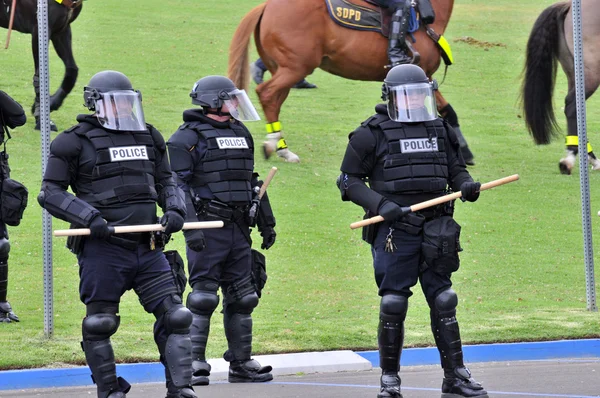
[67,207]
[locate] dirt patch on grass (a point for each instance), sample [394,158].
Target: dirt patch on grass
[479,43]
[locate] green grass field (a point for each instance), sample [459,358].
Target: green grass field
[522,275]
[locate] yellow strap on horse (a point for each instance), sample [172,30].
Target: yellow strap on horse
[573,140]
[445,46]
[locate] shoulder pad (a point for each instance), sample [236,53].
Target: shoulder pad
[375,120]
[66,144]
[183,138]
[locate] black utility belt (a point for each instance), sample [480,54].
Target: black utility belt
[222,211]
[130,240]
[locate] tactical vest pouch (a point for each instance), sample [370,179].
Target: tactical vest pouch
[426,12]
[13,201]
[411,223]
[218,210]
[369,231]
[259,271]
[178,269]
[441,244]
[75,243]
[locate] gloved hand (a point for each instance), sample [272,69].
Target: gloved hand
[172,221]
[470,191]
[389,210]
[194,239]
[268,234]
[99,228]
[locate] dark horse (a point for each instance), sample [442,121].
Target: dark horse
[294,38]
[551,40]
[60,17]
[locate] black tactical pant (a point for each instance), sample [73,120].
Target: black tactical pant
[398,271]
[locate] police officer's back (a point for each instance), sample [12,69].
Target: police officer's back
[212,153]
[409,155]
[118,170]
[11,116]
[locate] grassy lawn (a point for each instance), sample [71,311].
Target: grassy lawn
[522,275]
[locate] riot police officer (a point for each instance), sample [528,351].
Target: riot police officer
[212,153]
[409,155]
[118,169]
[11,116]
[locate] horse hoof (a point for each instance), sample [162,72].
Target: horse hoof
[288,155]
[52,125]
[268,149]
[564,168]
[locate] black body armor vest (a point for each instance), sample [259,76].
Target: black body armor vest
[227,164]
[415,160]
[124,169]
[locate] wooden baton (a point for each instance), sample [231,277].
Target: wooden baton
[266,183]
[437,201]
[140,228]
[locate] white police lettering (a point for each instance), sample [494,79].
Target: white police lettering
[122,153]
[232,143]
[418,145]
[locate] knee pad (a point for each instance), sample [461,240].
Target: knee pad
[446,301]
[99,326]
[393,307]
[244,305]
[177,319]
[4,249]
[202,302]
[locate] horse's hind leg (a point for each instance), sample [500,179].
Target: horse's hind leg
[272,94]
[35,108]
[567,163]
[62,44]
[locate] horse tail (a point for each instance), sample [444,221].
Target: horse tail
[541,61]
[238,69]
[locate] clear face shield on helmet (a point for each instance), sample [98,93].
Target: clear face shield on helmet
[239,106]
[120,110]
[412,103]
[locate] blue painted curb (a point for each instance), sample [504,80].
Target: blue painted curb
[500,352]
[154,372]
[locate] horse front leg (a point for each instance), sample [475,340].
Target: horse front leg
[272,94]
[447,112]
[62,44]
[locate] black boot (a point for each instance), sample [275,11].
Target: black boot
[460,384]
[304,84]
[6,313]
[390,338]
[457,378]
[178,392]
[242,368]
[397,49]
[257,70]
[199,331]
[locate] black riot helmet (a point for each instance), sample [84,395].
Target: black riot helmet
[409,94]
[116,104]
[214,92]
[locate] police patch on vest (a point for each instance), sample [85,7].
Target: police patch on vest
[418,145]
[121,153]
[232,143]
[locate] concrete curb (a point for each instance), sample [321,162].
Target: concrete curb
[310,362]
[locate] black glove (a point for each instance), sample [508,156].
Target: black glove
[194,239]
[268,234]
[99,228]
[172,221]
[390,211]
[470,191]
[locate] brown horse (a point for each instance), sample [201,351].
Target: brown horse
[294,38]
[551,41]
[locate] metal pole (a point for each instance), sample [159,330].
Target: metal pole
[588,246]
[45,134]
